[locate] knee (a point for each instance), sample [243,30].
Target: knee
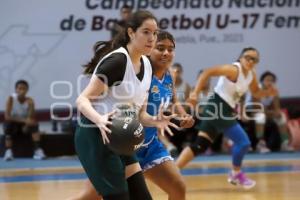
[245,146]
[247,143]
[200,145]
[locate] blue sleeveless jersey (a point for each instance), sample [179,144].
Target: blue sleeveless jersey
[161,91]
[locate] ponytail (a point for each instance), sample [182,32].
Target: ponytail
[100,49]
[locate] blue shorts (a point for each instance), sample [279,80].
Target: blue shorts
[153,154]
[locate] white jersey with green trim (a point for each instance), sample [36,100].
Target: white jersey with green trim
[230,91]
[130,91]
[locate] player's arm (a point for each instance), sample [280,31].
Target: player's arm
[84,105]
[274,111]
[276,104]
[230,71]
[110,72]
[145,118]
[31,112]
[84,101]
[31,108]
[8,109]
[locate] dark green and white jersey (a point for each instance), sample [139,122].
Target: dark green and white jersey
[230,91]
[125,86]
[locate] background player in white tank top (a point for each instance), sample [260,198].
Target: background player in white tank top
[234,81]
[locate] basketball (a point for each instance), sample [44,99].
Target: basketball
[127,133]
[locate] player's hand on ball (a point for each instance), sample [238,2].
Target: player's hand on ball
[103,123]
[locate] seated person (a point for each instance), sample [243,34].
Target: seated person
[272,112]
[19,119]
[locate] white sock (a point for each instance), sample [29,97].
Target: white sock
[235,172]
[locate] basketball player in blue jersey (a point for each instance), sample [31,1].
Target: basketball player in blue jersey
[234,81]
[156,162]
[120,74]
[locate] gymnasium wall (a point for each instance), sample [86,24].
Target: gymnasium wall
[46,42]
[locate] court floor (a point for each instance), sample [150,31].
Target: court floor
[277,176]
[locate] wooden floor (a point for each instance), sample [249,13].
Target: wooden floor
[280,185]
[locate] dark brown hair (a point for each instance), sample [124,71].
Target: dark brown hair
[162,35]
[267,73]
[177,66]
[22,82]
[101,48]
[245,50]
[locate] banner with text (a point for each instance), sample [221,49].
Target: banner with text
[46,42]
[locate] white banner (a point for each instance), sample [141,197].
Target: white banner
[46,42]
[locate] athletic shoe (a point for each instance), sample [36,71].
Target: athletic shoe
[8,155]
[241,179]
[285,146]
[262,147]
[39,154]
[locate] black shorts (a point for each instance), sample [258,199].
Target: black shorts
[15,128]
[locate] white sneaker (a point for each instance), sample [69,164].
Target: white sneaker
[39,154]
[262,147]
[8,155]
[285,146]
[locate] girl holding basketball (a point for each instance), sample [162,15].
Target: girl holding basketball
[156,162]
[120,74]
